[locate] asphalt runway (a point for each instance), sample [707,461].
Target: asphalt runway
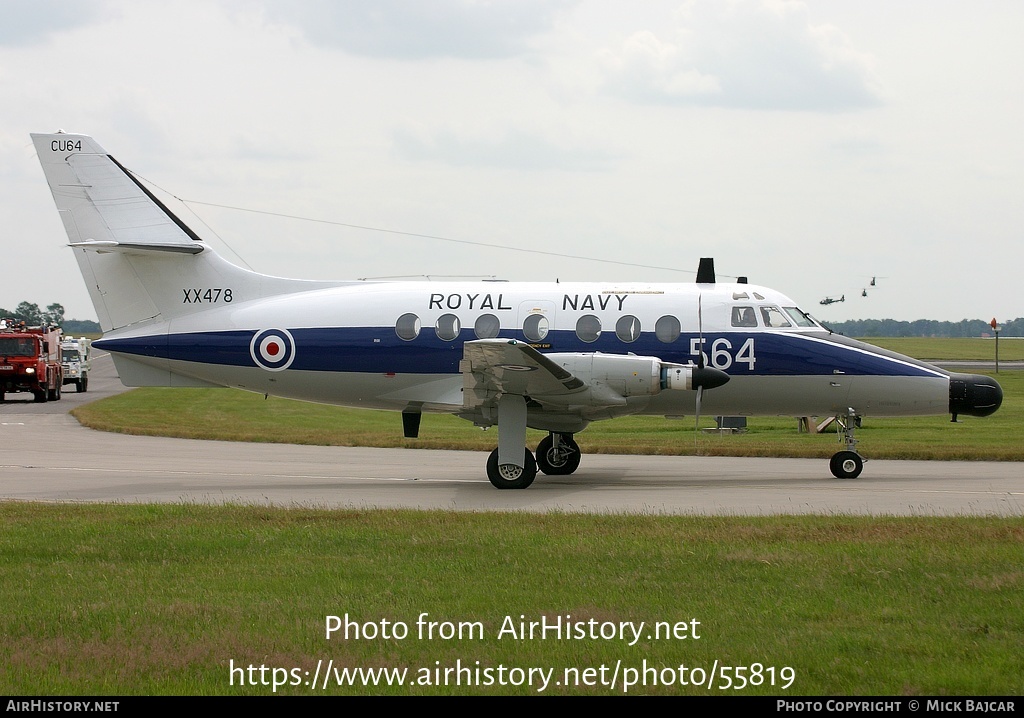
[47,456]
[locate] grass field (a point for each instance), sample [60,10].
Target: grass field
[111,600]
[102,600]
[945,349]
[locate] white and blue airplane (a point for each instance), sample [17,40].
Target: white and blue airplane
[551,356]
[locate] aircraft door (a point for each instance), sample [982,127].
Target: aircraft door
[536,321]
[841,386]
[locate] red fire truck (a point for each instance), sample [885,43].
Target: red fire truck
[30,360]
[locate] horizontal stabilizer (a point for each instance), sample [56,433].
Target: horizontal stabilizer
[135,248]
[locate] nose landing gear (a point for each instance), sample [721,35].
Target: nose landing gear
[847,464]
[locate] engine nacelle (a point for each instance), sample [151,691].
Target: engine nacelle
[630,375]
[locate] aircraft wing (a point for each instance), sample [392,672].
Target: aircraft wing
[491,367]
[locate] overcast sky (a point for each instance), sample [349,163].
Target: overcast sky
[810,146]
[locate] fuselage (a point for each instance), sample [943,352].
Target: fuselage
[384,345]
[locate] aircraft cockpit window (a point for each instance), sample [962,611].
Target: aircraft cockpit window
[667,329]
[487,326]
[627,329]
[535,328]
[758,297]
[801,319]
[447,327]
[407,327]
[588,328]
[744,317]
[773,317]
[740,295]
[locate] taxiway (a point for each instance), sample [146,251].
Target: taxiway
[48,456]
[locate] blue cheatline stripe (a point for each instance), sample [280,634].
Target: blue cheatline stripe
[379,350]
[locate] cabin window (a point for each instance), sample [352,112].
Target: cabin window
[667,329]
[627,329]
[588,328]
[744,317]
[407,327]
[535,328]
[487,326]
[773,317]
[447,327]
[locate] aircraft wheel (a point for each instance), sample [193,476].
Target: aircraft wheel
[510,476]
[846,465]
[561,461]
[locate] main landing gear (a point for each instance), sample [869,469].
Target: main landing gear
[557,455]
[510,476]
[847,464]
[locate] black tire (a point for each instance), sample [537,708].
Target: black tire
[42,395]
[78,386]
[562,462]
[84,384]
[510,476]
[846,465]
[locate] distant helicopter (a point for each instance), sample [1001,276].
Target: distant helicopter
[872,283]
[829,300]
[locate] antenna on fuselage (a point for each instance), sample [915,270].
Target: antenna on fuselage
[706,271]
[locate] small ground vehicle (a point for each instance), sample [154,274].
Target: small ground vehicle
[30,360]
[76,354]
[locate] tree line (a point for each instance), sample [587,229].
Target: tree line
[32,315]
[925,328]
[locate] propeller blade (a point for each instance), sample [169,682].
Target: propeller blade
[700,331]
[696,428]
[699,371]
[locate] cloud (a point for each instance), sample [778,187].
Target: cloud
[750,54]
[416,30]
[516,149]
[25,23]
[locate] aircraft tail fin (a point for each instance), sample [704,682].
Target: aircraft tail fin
[141,263]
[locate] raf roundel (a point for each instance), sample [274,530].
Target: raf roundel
[273,349]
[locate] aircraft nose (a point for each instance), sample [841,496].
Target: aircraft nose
[974,395]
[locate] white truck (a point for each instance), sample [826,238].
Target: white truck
[76,354]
